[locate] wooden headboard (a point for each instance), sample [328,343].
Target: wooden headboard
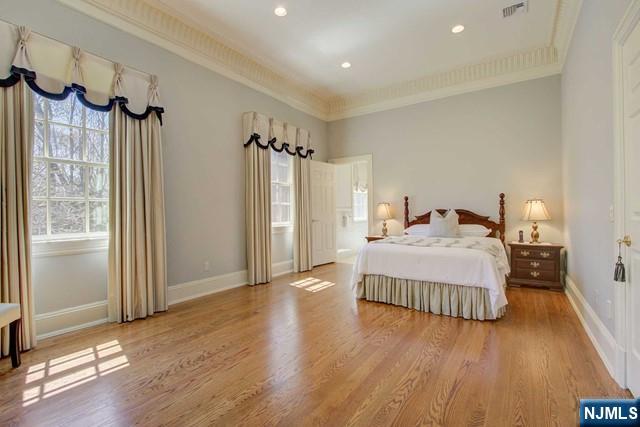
[466,217]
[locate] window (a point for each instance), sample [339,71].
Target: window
[70,177]
[360,202]
[281,171]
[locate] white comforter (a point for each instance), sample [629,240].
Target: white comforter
[444,263]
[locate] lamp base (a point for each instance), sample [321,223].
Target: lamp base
[384,229]
[534,233]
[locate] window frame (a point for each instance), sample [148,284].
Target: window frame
[282,226]
[92,239]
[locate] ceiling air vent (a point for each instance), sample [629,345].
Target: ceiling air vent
[520,7]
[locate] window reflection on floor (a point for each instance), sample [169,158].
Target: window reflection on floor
[312,284]
[63,373]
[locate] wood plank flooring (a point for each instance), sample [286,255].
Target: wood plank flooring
[303,351]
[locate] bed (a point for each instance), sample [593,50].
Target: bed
[457,276]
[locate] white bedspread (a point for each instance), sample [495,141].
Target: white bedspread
[446,262]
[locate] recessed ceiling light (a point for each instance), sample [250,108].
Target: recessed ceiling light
[457,29]
[280,11]
[346,65]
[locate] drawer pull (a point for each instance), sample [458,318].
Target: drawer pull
[524,253]
[535,264]
[534,273]
[545,254]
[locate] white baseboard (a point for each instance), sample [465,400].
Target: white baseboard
[602,339]
[71,319]
[87,315]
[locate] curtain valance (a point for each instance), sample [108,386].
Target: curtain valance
[268,132]
[56,70]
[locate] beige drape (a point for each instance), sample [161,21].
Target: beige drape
[258,213]
[137,251]
[16,133]
[302,205]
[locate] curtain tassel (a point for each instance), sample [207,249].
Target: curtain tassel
[619,273]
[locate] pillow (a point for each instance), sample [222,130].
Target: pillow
[444,226]
[418,230]
[474,230]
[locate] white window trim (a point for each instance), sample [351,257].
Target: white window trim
[68,244]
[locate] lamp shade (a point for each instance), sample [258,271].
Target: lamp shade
[383,211]
[535,210]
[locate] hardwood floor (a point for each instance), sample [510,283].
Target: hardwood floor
[281,354]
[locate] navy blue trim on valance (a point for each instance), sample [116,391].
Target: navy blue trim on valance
[80,91]
[284,147]
[12,80]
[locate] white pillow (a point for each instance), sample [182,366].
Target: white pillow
[444,226]
[418,230]
[474,230]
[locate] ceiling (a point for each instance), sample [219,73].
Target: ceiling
[401,52]
[386,41]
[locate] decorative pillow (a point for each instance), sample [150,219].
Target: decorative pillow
[474,230]
[418,230]
[444,226]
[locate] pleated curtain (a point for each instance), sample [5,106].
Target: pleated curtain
[137,247]
[257,202]
[302,206]
[16,136]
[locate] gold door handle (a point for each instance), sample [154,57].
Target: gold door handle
[524,253]
[626,240]
[534,273]
[545,254]
[535,264]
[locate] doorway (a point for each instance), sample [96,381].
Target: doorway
[353,205]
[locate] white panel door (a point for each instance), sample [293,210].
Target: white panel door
[323,212]
[631,114]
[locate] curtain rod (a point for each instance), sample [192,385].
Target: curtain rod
[90,53]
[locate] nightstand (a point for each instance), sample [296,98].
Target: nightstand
[537,265]
[373,238]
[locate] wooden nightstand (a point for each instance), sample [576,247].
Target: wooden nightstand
[373,238]
[537,265]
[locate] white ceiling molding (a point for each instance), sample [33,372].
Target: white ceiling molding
[160,27]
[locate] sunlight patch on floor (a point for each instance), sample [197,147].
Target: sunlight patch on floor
[63,373]
[312,284]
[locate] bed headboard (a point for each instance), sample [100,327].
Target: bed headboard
[466,217]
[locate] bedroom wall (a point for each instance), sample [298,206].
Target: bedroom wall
[464,150]
[588,164]
[204,162]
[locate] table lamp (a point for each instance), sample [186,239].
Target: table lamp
[535,210]
[383,212]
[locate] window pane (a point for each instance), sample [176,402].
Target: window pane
[39,218]
[286,213]
[97,119]
[65,142]
[39,105]
[285,194]
[98,217]
[38,139]
[275,213]
[67,217]
[39,179]
[66,180]
[68,111]
[97,147]
[98,183]
[274,193]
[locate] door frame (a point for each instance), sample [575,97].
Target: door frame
[627,24]
[363,158]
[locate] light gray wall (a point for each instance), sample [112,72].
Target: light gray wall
[204,160]
[587,140]
[464,150]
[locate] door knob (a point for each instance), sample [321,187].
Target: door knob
[626,240]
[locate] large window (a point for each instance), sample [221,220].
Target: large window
[360,202]
[281,178]
[70,178]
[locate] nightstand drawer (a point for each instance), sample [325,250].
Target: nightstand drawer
[535,264]
[530,274]
[534,253]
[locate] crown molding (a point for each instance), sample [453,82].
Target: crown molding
[159,26]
